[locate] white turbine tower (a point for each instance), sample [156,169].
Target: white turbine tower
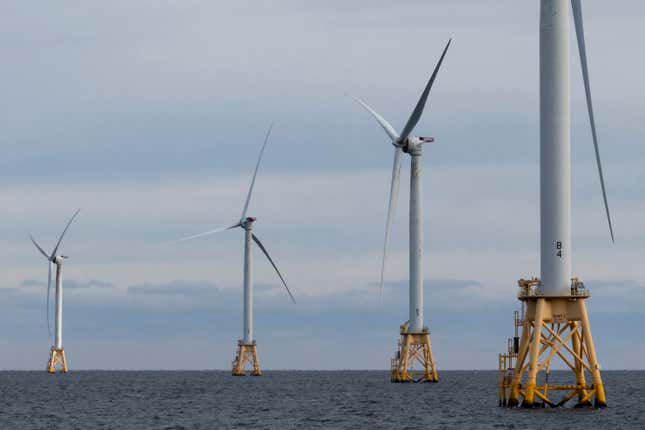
[57,359]
[415,337]
[556,320]
[247,350]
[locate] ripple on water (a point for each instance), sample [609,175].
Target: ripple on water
[207,400]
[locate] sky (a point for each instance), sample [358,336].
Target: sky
[149,116]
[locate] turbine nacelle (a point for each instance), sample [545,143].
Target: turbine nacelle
[248,222]
[413,142]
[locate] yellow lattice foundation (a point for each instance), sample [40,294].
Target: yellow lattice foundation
[247,353]
[57,361]
[552,327]
[413,348]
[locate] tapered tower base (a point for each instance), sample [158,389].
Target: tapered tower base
[413,348]
[247,353]
[57,361]
[551,326]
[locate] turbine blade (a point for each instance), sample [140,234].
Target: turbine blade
[63,233]
[386,125]
[49,283]
[255,173]
[39,248]
[206,233]
[580,35]
[391,210]
[257,241]
[418,110]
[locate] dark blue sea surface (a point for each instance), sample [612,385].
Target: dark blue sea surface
[290,400]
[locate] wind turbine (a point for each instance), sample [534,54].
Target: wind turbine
[556,320]
[415,337]
[247,350]
[57,361]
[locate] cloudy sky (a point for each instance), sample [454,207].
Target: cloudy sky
[148,115]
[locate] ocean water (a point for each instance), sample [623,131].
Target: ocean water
[291,400]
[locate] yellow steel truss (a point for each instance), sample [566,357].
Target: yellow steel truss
[413,348]
[552,327]
[57,361]
[247,353]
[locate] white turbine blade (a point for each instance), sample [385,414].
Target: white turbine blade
[386,125]
[49,282]
[418,110]
[580,34]
[39,248]
[391,210]
[64,231]
[206,233]
[255,173]
[257,241]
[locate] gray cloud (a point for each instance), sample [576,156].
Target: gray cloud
[206,105]
[89,284]
[68,283]
[441,284]
[340,325]
[31,283]
[177,287]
